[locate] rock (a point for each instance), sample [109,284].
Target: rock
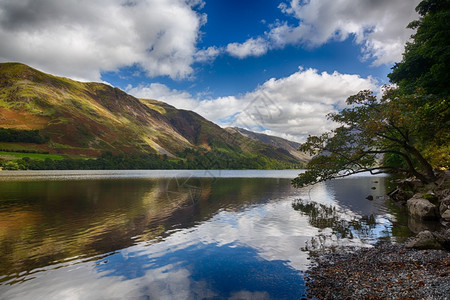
[443,238]
[443,193]
[424,240]
[370,197]
[421,208]
[444,209]
[446,215]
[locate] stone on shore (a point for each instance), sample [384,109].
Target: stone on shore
[424,240]
[444,209]
[422,208]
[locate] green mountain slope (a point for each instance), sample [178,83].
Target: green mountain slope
[81,118]
[277,142]
[87,119]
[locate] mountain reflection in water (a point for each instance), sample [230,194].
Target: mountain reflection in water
[133,235]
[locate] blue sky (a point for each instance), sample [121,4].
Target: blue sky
[273,66]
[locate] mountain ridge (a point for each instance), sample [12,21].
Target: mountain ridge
[88,118]
[278,142]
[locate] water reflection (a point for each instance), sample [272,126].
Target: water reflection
[182,238]
[337,230]
[207,270]
[355,213]
[44,222]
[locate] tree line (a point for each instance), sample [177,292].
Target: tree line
[22,136]
[191,159]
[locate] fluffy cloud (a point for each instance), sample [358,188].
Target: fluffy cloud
[291,107]
[158,91]
[207,55]
[296,106]
[379,26]
[82,38]
[251,47]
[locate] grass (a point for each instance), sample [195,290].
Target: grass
[21,147]
[35,156]
[155,105]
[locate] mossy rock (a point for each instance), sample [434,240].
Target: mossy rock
[430,197]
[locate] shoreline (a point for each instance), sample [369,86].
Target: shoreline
[385,271]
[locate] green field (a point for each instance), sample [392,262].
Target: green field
[37,156]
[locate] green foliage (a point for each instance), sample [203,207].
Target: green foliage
[375,135]
[10,165]
[430,197]
[106,161]
[426,59]
[424,71]
[22,136]
[226,158]
[194,159]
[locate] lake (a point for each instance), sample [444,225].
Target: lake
[179,234]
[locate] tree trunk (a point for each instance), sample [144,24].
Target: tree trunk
[429,173]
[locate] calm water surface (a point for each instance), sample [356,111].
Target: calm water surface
[177,234]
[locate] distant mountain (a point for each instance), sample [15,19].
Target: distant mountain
[277,142]
[87,119]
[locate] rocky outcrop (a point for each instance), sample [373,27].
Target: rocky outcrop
[428,207]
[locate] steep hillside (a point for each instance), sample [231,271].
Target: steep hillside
[81,118]
[210,137]
[76,118]
[277,142]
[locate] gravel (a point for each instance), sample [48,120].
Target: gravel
[386,271]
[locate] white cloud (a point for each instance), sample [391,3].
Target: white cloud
[251,47]
[296,106]
[158,91]
[80,39]
[207,55]
[291,107]
[378,26]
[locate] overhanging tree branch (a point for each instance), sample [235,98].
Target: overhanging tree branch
[364,141]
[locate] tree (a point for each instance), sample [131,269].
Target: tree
[426,59]
[407,130]
[376,135]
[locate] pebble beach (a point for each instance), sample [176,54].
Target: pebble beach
[385,271]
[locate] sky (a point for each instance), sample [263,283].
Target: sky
[272,66]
